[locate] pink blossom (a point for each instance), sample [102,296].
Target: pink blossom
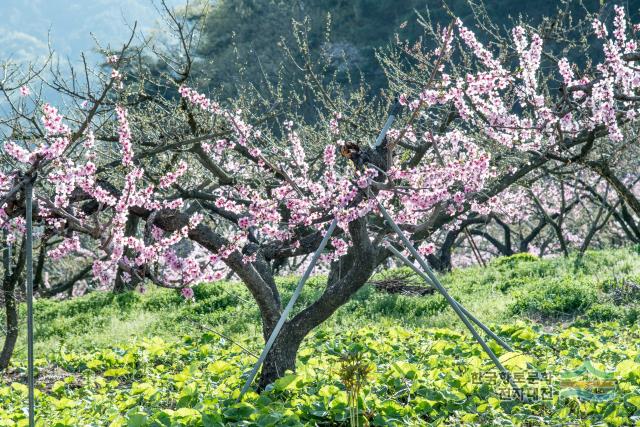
[329,155]
[599,28]
[427,249]
[171,177]
[188,294]
[18,153]
[67,246]
[244,222]
[124,136]
[458,198]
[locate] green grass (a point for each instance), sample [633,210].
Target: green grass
[105,346]
[549,290]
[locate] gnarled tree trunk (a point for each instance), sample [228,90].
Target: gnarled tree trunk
[282,356]
[603,169]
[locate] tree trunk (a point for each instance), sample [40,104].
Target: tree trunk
[12,324]
[120,285]
[603,169]
[38,281]
[10,304]
[68,285]
[442,261]
[347,275]
[281,357]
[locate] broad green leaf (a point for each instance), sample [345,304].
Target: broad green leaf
[627,368]
[58,386]
[20,388]
[284,382]
[634,400]
[515,360]
[115,372]
[219,367]
[186,413]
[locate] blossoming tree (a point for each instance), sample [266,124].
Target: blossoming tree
[122,178]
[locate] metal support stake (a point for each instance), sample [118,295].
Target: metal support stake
[475,320]
[453,303]
[392,116]
[288,308]
[29,261]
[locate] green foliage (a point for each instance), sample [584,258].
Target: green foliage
[512,283]
[606,312]
[100,319]
[625,290]
[554,298]
[418,376]
[253,34]
[140,360]
[354,371]
[514,260]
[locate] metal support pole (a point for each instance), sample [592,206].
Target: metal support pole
[453,303]
[392,116]
[29,261]
[288,308]
[475,320]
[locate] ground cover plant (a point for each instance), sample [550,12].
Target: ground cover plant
[531,150]
[164,221]
[156,359]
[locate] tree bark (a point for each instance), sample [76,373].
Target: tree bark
[282,356]
[603,169]
[346,277]
[67,285]
[11,306]
[38,281]
[628,219]
[12,326]
[120,285]
[442,260]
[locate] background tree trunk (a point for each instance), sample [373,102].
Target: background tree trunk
[131,228]
[11,324]
[11,277]
[38,277]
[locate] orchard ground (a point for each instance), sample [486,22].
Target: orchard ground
[156,359]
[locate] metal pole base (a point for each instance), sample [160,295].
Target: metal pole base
[288,308]
[462,313]
[29,287]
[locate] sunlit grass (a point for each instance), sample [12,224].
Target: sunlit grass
[102,319]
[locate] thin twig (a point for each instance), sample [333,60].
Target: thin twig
[249,352]
[435,70]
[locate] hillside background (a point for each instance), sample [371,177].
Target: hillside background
[243,39]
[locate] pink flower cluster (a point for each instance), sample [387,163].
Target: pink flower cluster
[69,174]
[310,193]
[68,246]
[124,136]
[169,179]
